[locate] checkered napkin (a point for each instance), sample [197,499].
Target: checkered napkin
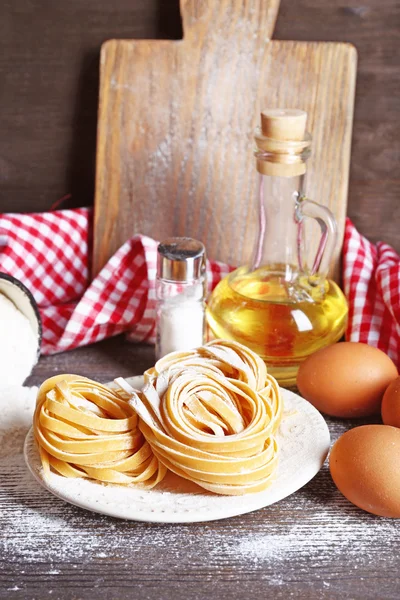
[49,253]
[371,281]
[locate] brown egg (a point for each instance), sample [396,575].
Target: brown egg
[364,465]
[391,404]
[346,379]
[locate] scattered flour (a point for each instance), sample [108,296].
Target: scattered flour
[16,409]
[18,350]
[316,527]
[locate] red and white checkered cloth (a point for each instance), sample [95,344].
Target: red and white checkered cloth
[371,282]
[49,253]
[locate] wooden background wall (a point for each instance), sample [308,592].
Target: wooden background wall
[49,53]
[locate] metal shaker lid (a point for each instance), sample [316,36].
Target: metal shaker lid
[181,259]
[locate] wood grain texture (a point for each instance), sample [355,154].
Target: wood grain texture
[313,545]
[175,131]
[166,153]
[49,79]
[374,28]
[49,57]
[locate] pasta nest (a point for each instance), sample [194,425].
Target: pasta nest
[210,416]
[85,429]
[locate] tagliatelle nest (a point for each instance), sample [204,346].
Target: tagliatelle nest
[209,415]
[84,429]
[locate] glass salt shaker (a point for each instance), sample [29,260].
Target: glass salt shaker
[180,294]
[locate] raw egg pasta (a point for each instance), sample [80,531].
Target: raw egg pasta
[210,415]
[226,358]
[84,429]
[231,358]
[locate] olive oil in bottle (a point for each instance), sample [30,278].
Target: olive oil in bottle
[279,306]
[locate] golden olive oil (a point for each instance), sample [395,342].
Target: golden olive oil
[284,319]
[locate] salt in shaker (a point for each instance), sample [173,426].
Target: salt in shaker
[180,293]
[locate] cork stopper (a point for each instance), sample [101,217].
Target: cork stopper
[284,124]
[282,141]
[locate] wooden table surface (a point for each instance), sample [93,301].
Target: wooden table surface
[49,64]
[313,544]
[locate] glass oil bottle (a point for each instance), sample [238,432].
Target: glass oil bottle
[279,305]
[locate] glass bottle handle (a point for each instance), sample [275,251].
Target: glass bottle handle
[328,240]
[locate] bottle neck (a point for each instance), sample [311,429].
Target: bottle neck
[278,240]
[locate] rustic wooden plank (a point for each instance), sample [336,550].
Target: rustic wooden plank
[183,93]
[313,544]
[176,121]
[49,61]
[373,28]
[380,221]
[48,118]
[102,361]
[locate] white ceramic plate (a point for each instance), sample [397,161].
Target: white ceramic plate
[304,442]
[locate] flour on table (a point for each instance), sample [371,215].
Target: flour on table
[17,404]
[316,524]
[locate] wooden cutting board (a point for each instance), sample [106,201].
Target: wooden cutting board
[176,120]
